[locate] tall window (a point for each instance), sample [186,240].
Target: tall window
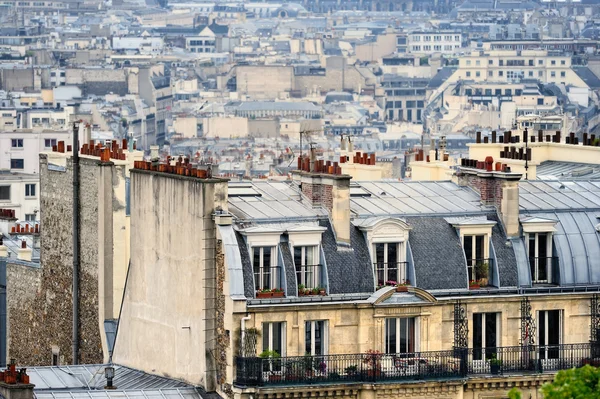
[30,190]
[315,338]
[549,332]
[485,335]
[474,246]
[16,143]
[266,273]
[400,336]
[274,337]
[540,259]
[388,263]
[308,271]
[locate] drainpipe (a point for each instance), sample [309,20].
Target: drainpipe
[243,328]
[76,243]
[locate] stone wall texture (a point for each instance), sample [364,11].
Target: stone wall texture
[48,322]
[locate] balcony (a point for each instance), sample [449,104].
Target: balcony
[390,273]
[376,367]
[268,282]
[542,269]
[479,271]
[308,278]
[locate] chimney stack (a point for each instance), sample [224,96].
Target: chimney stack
[500,189]
[14,384]
[24,253]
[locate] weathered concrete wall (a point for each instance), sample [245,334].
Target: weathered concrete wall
[98,81]
[263,127]
[168,325]
[17,79]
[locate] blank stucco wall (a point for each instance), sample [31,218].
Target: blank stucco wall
[168,321]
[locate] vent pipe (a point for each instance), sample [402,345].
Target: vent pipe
[76,243]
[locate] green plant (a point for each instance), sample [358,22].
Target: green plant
[266,354]
[514,393]
[404,284]
[277,290]
[482,270]
[494,361]
[473,283]
[266,290]
[315,291]
[334,375]
[351,370]
[301,287]
[580,383]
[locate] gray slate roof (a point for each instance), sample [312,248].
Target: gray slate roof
[438,257]
[349,269]
[505,255]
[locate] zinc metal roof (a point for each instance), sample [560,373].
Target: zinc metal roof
[551,196]
[555,170]
[415,198]
[176,393]
[273,200]
[91,377]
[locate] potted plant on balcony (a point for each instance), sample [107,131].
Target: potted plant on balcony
[482,271]
[495,364]
[474,285]
[264,293]
[271,362]
[277,293]
[403,287]
[322,291]
[351,370]
[373,361]
[301,290]
[315,291]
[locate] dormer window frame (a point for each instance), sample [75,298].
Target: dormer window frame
[258,238]
[476,228]
[536,228]
[311,275]
[387,231]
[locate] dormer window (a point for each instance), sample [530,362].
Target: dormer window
[540,262]
[477,255]
[475,234]
[267,275]
[538,241]
[308,270]
[388,239]
[389,264]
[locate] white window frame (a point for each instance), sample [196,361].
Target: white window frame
[486,250]
[324,336]
[534,279]
[401,254]
[273,273]
[546,329]
[28,190]
[483,332]
[301,268]
[283,335]
[417,343]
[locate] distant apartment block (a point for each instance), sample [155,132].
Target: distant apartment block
[429,42]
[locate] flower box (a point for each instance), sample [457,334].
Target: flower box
[263,295]
[402,288]
[278,294]
[474,286]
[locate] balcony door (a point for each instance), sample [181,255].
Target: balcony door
[474,246]
[486,333]
[549,333]
[540,257]
[389,263]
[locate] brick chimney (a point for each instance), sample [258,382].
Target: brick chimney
[14,384]
[324,186]
[497,188]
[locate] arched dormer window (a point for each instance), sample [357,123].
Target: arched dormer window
[387,238]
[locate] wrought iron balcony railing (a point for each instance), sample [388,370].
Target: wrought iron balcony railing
[379,367]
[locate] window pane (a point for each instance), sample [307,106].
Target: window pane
[490,334]
[468,245]
[542,245]
[477,335]
[265,335]
[307,337]
[319,329]
[390,335]
[479,247]
[266,257]
[277,337]
[542,328]
[553,327]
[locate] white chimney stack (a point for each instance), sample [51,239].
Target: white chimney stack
[24,253]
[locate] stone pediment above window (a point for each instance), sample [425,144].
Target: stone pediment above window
[534,224]
[472,225]
[305,234]
[261,235]
[384,229]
